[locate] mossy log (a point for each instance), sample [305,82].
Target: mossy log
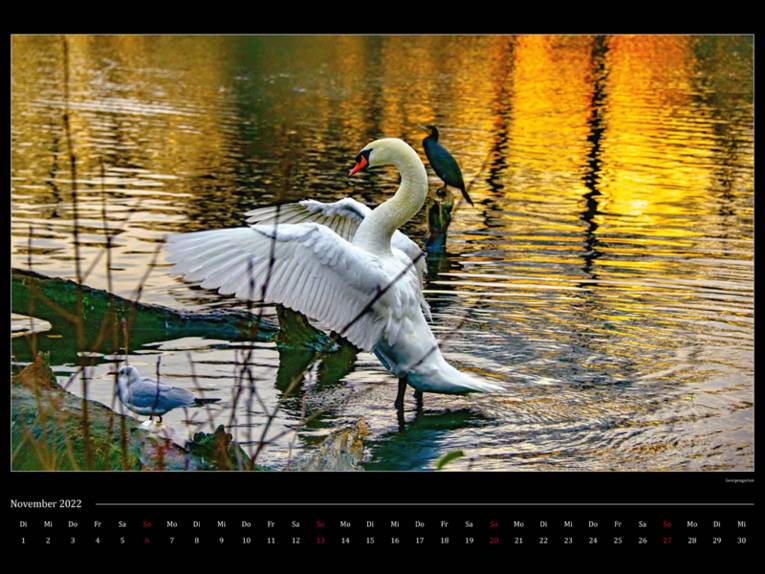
[50,431]
[57,300]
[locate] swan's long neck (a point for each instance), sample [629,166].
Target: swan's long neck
[375,232]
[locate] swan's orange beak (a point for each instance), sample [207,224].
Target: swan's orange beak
[361,164]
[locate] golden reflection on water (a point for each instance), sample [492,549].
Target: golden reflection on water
[550,103]
[613,179]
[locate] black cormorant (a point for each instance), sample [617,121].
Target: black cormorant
[443,163]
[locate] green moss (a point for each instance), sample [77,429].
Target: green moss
[49,432]
[218,451]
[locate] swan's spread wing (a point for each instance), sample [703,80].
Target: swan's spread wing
[343,217]
[306,267]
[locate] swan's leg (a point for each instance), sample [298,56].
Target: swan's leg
[418,398]
[400,418]
[399,404]
[151,418]
[160,419]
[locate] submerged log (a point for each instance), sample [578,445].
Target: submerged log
[55,300]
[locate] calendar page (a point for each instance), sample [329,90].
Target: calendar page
[382,291]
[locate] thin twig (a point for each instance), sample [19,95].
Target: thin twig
[79,325]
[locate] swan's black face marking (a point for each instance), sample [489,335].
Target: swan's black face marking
[362,162]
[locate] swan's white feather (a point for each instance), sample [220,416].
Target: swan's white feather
[344,278]
[343,217]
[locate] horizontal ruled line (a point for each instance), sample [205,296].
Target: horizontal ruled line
[425,504]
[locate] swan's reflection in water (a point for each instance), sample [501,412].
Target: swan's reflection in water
[419,441]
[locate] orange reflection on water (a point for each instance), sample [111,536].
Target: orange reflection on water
[657,157]
[551,97]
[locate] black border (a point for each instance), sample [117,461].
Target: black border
[549,487]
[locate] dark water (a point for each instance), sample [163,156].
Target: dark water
[605,273]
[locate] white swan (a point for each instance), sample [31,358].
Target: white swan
[343,264]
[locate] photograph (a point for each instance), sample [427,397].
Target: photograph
[382,253]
